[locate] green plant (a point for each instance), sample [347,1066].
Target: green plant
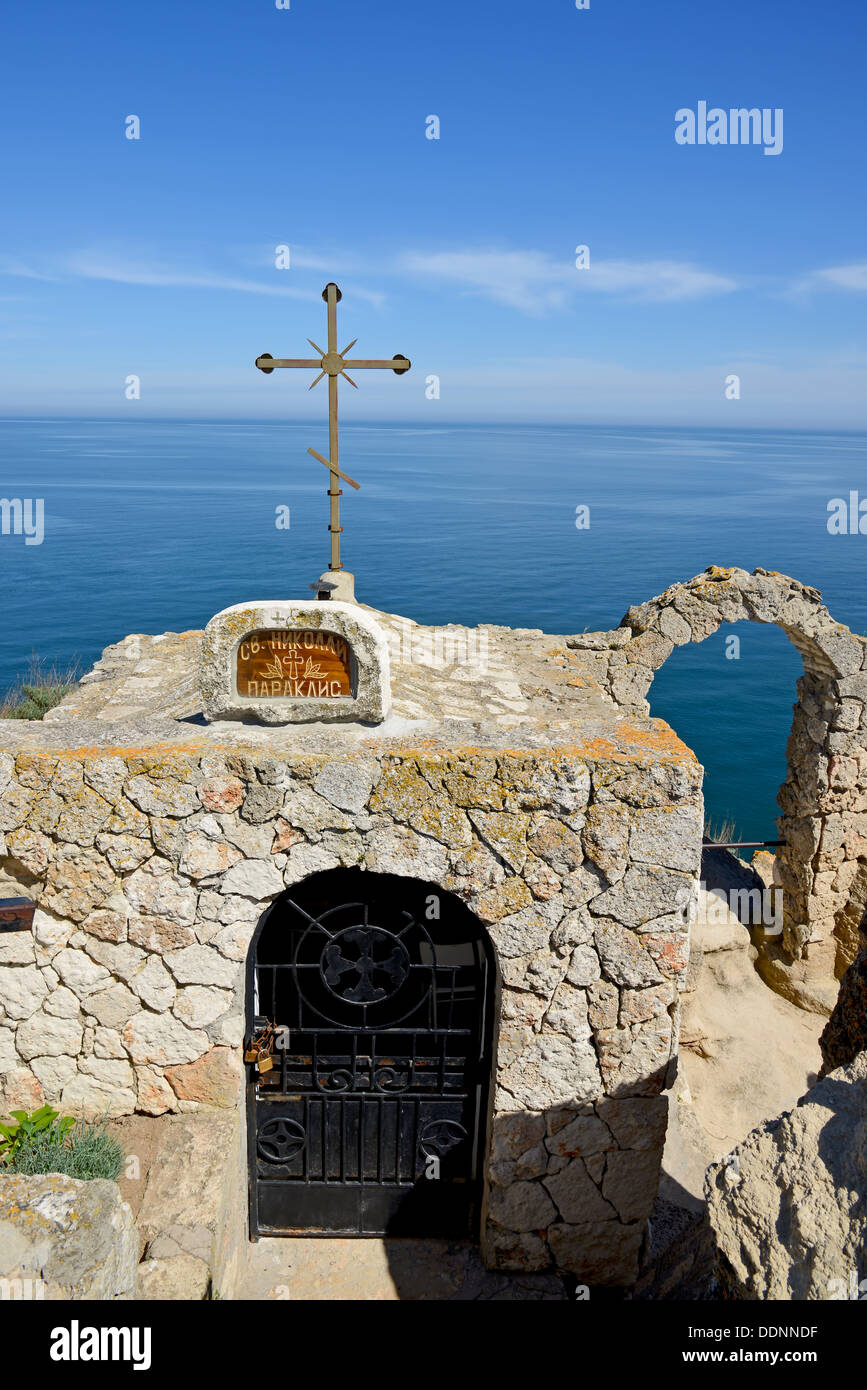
[46,1143]
[33,695]
[41,1124]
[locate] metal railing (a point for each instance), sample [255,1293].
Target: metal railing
[741,844]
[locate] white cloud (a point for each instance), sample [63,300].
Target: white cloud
[657,280]
[128,271]
[834,277]
[535,283]
[844,277]
[10,265]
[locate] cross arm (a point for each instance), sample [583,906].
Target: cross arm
[267,363]
[397,364]
[334,469]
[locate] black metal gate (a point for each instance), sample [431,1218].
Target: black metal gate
[371,1120]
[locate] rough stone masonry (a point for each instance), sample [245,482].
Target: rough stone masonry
[527,780]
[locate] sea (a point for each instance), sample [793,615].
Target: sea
[155,525]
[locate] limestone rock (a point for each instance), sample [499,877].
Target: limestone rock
[154,890]
[667,836]
[48,932]
[845,1034]
[606,837]
[200,965]
[154,1096]
[221,794]
[43,1035]
[205,858]
[552,1070]
[78,1237]
[79,973]
[787,1207]
[160,935]
[598,1252]
[638,1122]
[154,985]
[522,1206]
[53,1074]
[21,1090]
[78,881]
[527,930]
[8,1055]
[395,849]
[162,1039]
[253,878]
[214,1079]
[198,1006]
[190,1203]
[584,968]
[17,948]
[178,1277]
[112,1007]
[347,784]
[631,1182]
[161,796]
[94,1096]
[644,893]
[585,1134]
[106,925]
[22,990]
[623,956]
[577,1196]
[634,1061]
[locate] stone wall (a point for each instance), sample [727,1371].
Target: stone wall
[152,867]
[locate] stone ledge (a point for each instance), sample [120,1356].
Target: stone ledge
[192,1216]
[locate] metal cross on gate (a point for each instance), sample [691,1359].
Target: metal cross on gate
[333,364]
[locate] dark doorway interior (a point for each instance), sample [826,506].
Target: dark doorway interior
[372,1118]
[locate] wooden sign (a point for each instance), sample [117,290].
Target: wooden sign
[294,664]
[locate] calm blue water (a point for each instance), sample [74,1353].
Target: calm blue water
[156,525]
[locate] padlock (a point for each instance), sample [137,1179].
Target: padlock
[264,1064]
[261,1044]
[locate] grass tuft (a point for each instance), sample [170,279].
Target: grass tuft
[43,687]
[719,831]
[87,1151]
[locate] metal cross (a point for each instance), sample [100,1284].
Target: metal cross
[333,364]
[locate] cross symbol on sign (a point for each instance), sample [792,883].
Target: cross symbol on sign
[333,364]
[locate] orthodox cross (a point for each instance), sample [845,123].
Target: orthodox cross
[333,364]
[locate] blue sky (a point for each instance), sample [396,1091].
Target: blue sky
[306,127]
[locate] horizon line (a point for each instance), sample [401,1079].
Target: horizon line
[316,422]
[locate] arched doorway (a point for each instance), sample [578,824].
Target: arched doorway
[371,1118]
[823,823]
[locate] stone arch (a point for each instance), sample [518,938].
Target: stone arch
[823,801]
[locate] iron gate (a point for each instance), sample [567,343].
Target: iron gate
[371,1121]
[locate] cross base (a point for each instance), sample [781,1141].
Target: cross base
[336,584]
